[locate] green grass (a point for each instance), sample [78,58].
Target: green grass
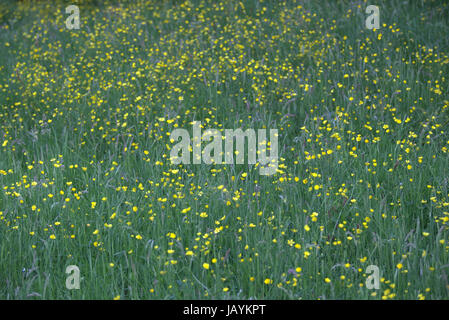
[363,150]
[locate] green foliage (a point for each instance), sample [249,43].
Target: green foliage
[363,144]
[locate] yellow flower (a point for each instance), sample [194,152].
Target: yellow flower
[268,281]
[399,266]
[53,237]
[206,266]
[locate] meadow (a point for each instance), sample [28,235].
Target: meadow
[363,169]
